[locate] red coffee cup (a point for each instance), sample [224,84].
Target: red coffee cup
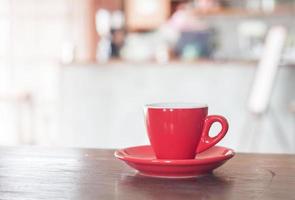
[181,130]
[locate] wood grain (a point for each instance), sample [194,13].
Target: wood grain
[44,173]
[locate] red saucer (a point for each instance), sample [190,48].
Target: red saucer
[142,158]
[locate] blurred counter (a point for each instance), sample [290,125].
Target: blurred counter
[102,103]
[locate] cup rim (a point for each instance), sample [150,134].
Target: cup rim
[176,105]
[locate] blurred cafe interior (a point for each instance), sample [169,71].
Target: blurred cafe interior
[76,73]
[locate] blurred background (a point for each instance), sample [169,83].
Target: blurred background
[76,73]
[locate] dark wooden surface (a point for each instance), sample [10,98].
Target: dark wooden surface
[44,173]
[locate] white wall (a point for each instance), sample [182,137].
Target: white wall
[29,120]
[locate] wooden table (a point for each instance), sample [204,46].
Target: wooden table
[44,173]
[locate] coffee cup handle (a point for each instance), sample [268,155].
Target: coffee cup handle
[206,141]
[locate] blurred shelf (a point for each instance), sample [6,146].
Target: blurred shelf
[173,61]
[245,12]
[193,63]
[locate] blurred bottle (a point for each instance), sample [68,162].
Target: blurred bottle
[261,5]
[103,28]
[251,35]
[117,33]
[162,53]
[190,52]
[67,53]
[103,51]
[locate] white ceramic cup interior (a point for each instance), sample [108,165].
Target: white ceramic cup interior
[176,105]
